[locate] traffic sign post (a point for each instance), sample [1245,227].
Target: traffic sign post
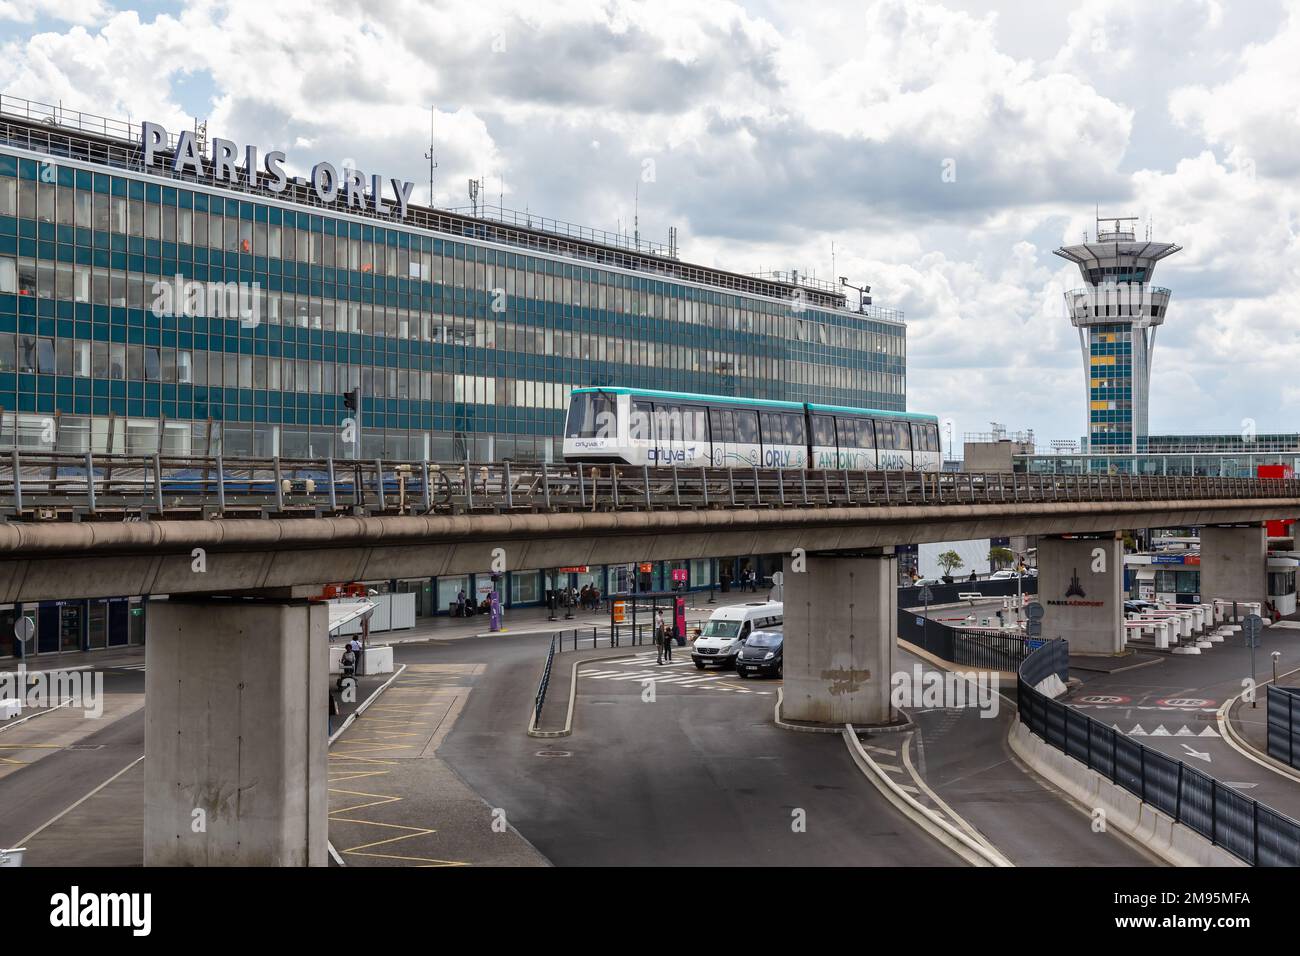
[1251,625]
[1034,624]
[926,596]
[24,630]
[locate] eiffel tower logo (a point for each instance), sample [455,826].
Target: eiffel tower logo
[1075,589]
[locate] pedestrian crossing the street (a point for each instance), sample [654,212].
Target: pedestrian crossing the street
[680,672]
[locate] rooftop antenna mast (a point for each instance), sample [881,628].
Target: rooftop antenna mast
[636,215]
[431,156]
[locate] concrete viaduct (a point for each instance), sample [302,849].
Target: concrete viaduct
[237,658]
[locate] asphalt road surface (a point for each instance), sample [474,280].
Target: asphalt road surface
[700,775]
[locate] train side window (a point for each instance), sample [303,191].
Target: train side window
[902,439]
[746,426]
[720,424]
[693,425]
[823,431]
[643,416]
[668,422]
[771,428]
[866,434]
[795,433]
[934,437]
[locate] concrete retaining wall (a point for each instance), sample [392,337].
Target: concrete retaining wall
[1174,843]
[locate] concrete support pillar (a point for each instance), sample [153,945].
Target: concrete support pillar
[841,627]
[1234,564]
[236,715]
[1081,589]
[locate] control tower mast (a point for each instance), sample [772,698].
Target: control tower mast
[1117,313]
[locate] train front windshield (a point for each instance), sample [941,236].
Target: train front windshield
[591,415]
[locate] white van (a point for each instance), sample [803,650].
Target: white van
[727,628]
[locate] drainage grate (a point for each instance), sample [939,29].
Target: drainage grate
[554,753]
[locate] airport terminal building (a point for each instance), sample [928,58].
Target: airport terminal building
[464,333]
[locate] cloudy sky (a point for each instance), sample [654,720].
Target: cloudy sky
[774,131]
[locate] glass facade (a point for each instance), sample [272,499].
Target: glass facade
[1110,388]
[1208,465]
[460,348]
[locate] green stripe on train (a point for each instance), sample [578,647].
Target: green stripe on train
[759,402]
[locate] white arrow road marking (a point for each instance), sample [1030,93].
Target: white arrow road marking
[1197,754]
[1240,785]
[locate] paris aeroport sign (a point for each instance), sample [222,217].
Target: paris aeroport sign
[223,166]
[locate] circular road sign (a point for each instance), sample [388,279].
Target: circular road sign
[24,628]
[1034,611]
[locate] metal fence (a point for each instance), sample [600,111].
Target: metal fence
[969,647]
[1283,730]
[56,485]
[951,593]
[1246,828]
[543,684]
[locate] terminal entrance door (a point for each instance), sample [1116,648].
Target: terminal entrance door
[119,623]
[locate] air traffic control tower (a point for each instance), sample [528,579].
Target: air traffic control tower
[1117,312]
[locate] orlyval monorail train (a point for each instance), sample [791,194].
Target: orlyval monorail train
[645,427]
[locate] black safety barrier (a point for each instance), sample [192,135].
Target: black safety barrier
[981,648]
[543,684]
[1283,706]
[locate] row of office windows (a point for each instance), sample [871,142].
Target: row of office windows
[488,439]
[103,208]
[412,320]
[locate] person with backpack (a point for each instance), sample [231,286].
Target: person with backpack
[347,666]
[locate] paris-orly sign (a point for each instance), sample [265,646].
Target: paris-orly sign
[231,164]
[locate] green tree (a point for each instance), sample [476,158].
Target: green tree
[1000,557]
[950,561]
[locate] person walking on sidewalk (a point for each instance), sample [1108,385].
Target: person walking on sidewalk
[661,645]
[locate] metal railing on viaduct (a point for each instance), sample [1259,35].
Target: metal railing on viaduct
[54,486]
[86,526]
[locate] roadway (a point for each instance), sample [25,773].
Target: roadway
[964,757]
[700,776]
[55,760]
[1170,705]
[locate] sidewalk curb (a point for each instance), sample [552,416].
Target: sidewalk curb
[964,846]
[368,701]
[573,697]
[829,729]
[1238,742]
